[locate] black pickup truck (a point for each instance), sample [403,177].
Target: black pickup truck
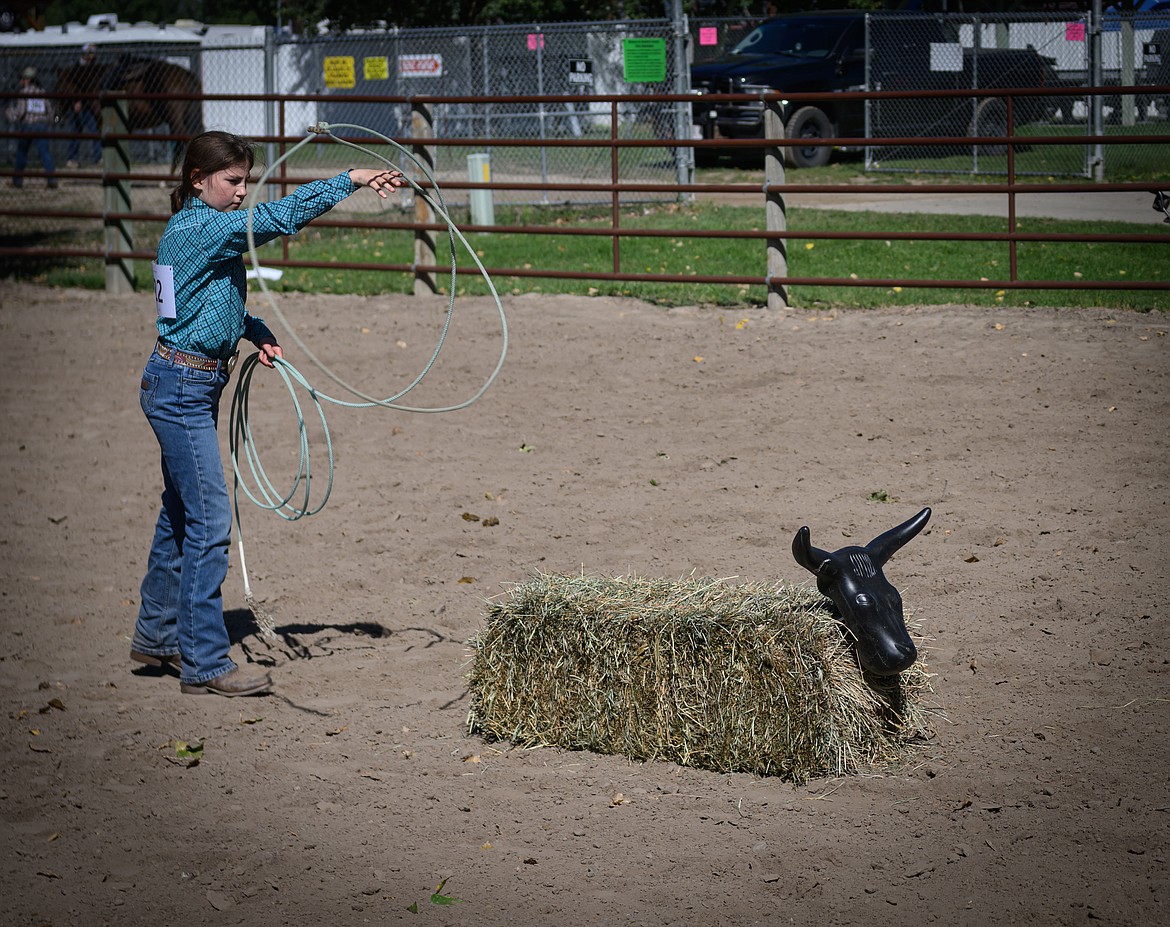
[826,52]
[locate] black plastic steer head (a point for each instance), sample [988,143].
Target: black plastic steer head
[870,607]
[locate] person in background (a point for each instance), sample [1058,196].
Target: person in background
[200,291]
[82,118]
[33,117]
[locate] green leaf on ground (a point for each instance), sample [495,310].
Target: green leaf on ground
[439,898]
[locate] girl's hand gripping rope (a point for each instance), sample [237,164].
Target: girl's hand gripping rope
[269,352]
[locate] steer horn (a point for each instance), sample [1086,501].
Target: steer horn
[884,546]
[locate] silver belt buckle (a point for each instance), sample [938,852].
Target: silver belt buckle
[231,364]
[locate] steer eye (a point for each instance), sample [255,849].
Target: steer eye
[862,599]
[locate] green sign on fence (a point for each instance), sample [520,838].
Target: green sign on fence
[644,60]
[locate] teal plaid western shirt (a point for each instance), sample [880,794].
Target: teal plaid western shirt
[206,247]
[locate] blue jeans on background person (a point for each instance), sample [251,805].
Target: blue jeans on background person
[30,135]
[83,121]
[181,597]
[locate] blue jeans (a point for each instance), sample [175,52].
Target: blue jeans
[84,121]
[182,602]
[29,137]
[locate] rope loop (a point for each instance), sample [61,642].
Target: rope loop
[249,473]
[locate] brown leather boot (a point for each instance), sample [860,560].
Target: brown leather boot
[232,683]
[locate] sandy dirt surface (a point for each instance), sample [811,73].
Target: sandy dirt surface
[619,438]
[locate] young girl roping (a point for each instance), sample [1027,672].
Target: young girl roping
[200,292]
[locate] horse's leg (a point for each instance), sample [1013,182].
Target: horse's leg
[176,125]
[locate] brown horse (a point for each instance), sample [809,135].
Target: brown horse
[134,76]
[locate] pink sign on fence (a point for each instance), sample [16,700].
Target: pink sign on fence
[708,35]
[1074,32]
[535,40]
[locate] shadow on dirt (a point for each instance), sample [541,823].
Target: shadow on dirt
[305,641]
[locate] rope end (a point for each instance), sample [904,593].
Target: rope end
[262,615]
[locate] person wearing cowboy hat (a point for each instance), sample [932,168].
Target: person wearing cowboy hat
[33,116]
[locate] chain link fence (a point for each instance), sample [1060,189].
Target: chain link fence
[1049,50]
[912,53]
[578,59]
[626,59]
[572,59]
[167,63]
[713,37]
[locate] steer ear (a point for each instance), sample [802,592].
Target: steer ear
[884,546]
[806,555]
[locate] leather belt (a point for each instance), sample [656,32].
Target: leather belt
[195,361]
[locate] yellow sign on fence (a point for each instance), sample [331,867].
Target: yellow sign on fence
[339,72]
[376,68]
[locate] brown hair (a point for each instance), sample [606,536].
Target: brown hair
[206,154]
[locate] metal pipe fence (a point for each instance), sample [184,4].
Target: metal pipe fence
[108,207]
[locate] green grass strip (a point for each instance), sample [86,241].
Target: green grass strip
[865,259]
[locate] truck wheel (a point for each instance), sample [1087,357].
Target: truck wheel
[808,122]
[990,119]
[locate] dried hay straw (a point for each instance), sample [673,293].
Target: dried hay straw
[750,678]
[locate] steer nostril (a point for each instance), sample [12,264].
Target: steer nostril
[891,661]
[909,654]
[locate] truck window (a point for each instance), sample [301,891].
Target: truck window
[799,39]
[854,39]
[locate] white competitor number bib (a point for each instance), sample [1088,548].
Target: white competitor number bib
[164,289]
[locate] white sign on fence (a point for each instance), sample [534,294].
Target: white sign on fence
[420,65]
[946,56]
[580,71]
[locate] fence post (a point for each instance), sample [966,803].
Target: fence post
[270,52]
[1097,79]
[684,157]
[422,123]
[1128,103]
[775,214]
[119,232]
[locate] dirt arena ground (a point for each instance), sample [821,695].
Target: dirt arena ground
[619,438]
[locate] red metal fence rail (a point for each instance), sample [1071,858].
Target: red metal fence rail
[118,215]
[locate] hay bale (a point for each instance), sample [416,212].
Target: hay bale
[745,678]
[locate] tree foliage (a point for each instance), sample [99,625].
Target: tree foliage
[306,16]
[260,12]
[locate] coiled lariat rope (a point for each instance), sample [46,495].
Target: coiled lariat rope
[264,493]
